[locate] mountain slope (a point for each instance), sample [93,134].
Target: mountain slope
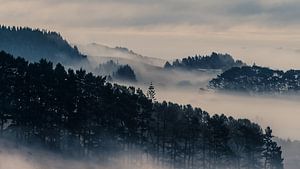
[35,44]
[99,52]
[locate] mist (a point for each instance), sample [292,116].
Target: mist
[183,87]
[17,156]
[281,113]
[147,69]
[190,87]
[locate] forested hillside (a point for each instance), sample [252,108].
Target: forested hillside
[35,44]
[214,61]
[77,113]
[256,79]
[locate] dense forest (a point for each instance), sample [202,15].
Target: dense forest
[116,71]
[254,79]
[35,44]
[80,114]
[214,61]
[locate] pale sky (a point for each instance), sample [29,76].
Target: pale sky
[262,31]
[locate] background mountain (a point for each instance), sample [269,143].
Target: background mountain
[102,53]
[35,44]
[214,61]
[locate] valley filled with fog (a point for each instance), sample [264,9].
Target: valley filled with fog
[281,112]
[160,84]
[92,105]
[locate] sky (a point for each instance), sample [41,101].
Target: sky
[265,32]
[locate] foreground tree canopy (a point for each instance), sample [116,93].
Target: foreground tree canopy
[79,114]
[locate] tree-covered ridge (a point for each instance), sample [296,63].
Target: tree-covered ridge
[77,113]
[35,44]
[116,71]
[258,79]
[125,73]
[214,61]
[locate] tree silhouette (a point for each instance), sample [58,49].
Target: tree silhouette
[151,92]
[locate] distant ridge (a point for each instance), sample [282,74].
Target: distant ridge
[214,61]
[256,79]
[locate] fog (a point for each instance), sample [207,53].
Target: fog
[147,69]
[190,87]
[282,113]
[13,156]
[99,53]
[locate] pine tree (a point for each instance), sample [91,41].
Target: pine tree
[272,152]
[151,92]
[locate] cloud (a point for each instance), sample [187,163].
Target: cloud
[142,13]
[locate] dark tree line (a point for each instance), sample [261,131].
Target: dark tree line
[79,114]
[214,61]
[35,44]
[254,79]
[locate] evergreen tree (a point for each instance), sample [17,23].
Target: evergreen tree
[272,153]
[151,92]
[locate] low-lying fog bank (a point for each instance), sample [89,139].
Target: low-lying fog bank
[22,157]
